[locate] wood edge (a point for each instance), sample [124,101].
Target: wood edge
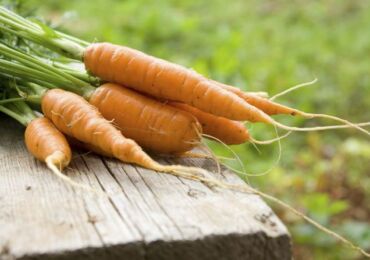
[231,246]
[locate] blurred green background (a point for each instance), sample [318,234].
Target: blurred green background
[267,46]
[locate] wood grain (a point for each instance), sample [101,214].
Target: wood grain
[148,215]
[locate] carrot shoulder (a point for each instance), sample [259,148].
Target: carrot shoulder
[166,80]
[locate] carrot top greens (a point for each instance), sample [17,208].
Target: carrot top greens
[40,33]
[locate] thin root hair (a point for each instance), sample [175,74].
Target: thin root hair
[320,128]
[364,124]
[214,157]
[250,190]
[300,214]
[268,170]
[189,154]
[228,148]
[57,172]
[305,84]
[271,141]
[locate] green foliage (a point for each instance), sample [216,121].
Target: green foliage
[267,46]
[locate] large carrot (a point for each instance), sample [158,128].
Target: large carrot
[226,130]
[152,124]
[75,117]
[165,80]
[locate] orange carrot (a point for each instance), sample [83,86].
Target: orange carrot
[226,130]
[75,117]
[272,108]
[152,124]
[46,143]
[260,102]
[87,147]
[166,80]
[145,73]
[43,140]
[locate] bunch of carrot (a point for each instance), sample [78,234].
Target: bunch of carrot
[127,100]
[119,102]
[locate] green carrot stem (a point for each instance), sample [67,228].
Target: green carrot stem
[82,75]
[36,89]
[36,64]
[33,99]
[24,121]
[68,68]
[34,32]
[43,83]
[19,111]
[19,70]
[24,72]
[20,34]
[25,59]
[26,80]
[29,23]
[74,39]
[7,13]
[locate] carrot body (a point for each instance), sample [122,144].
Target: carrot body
[75,117]
[88,147]
[264,104]
[166,80]
[226,130]
[152,124]
[46,143]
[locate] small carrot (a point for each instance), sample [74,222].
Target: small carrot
[42,139]
[226,130]
[47,144]
[75,117]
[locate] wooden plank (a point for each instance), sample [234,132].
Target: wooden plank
[148,215]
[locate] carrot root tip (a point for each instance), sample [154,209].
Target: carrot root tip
[52,163]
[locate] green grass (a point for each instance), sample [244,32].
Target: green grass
[268,46]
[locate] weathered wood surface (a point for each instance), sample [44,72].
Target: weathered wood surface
[148,215]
